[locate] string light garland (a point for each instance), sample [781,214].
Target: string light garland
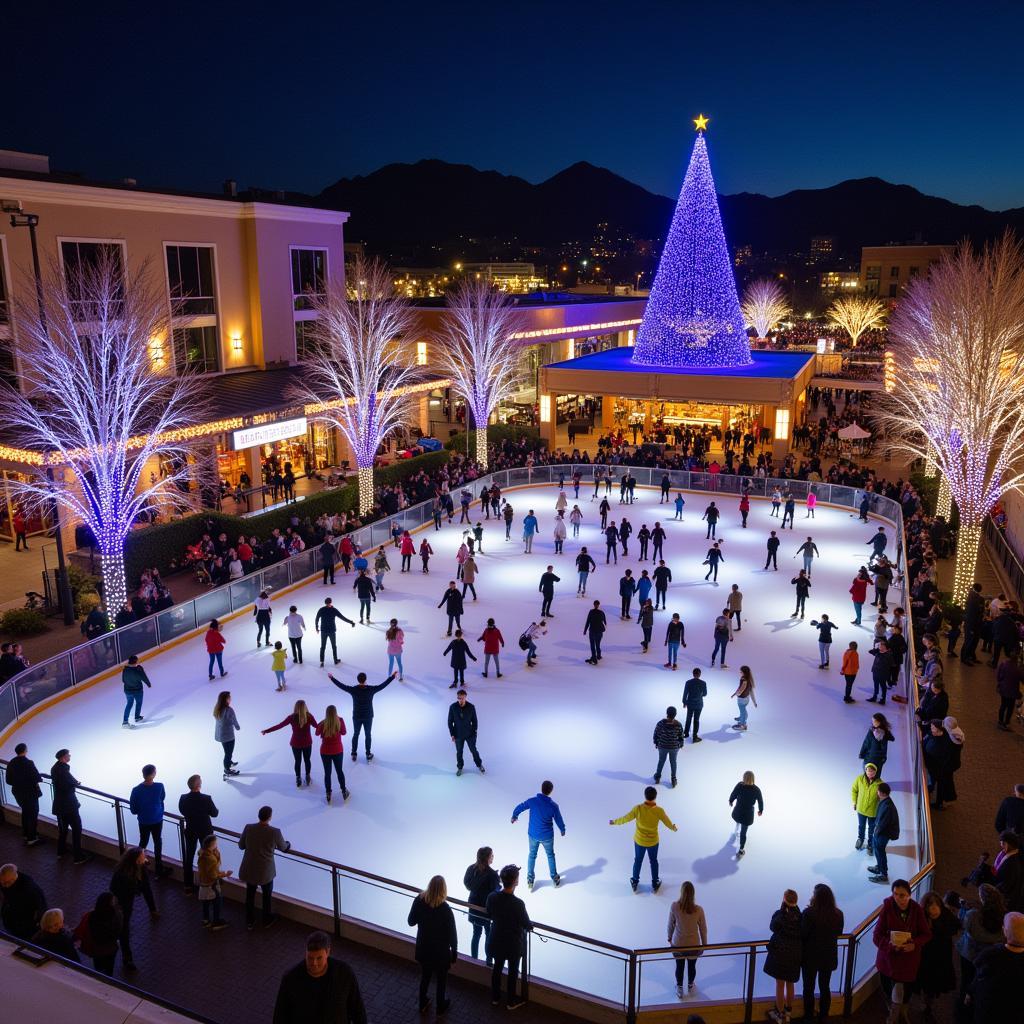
[693,317]
[957,401]
[764,305]
[477,348]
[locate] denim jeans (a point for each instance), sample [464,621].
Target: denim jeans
[392,660]
[130,700]
[582,586]
[531,860]
[858,608]
[218,657]
[487,663]
[878,846]
[358,725]
[639,852]
[531,651]
[720,645]
[741,703]
[213,909]
[862,821]
[481,926]
[671,753]
[823,652]
[808,563]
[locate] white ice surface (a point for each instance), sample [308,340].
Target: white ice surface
[588,729]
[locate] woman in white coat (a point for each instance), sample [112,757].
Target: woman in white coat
[687,930]
[559,533]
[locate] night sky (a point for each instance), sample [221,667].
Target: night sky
[801,95]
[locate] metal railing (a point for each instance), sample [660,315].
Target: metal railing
[552,954]
[1000,551]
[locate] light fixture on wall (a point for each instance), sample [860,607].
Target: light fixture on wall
[421,353]
[236,342]
[545,408]
[156,353]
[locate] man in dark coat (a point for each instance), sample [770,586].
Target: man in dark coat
[321,990]
[999,975]
[23,778]
[462,727]
[509,920]
[1010,816]
[197,809]
[65,806]
[452,600]
[326,624]
[974,615]
[1005,638]
[548,580]
[887,829]
[594,628]
[694,693]
[23,902]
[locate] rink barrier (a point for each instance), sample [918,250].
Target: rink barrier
[58,677]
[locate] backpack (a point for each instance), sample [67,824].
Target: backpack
[524,642]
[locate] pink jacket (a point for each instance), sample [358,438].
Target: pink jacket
[395,646]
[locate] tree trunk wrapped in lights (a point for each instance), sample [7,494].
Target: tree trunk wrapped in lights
[958,400]
[856,314]
[477,349]
[360,370]
[97,398]
[764,305]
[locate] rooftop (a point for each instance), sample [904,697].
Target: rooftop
[771,365]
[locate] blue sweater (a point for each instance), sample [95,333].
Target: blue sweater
[543,810]
[147,803]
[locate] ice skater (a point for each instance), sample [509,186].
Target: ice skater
[546,588]
[810,551]
[301,722]
[744,694]
[627,588]
[459,651]
[544,815]
[133,679]
[803,588]
[594,629]
[675,635]
[278,663]
[559,533]
[744,509]
[575,520]
[462,727]
[585,565]
[604,509]
[493,641]
[776,502]
[773,552]
[643,538]
[864,793]
[825,630]
[366,592]
[745,796]
[362,708]
[849,670]
[380,567]
[453,606]
[395,637]
[530,526]
[262,612]
[711,560]
[658,541]
[648,816]
[789,510]
[295,624]
[646,622]
[711,514]
[694,693]
[721,636]
[332,752]
[425,552]
[528,640]
[326,624]
[625,532]
[662,578]
[734,602]
[215,641]
[225,729]
[859,593]
[469,571]
[668,738]
[881,672]
[680,502]
[666,487]
[643,587]
[812,500]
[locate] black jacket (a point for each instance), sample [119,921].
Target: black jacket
[887,820]
[332,999]
[23,777]
[326,620]
[1009,880]
[584,563]
[820,940]
[998,981]
[694,692]
[437,941]
[548,581]
[453,599]
[462,721]
[126,886]
[1009,816]
[197,809]
[23,905]
[668,734]
[974,611]
[64,786]
[802,584]
[362,696]
[597,622]
[662,577]
[882,666]
[745,797]
[480,883]
[933,705]
[509,920]
[773,544]
[365,588]
[460,651]
[785,947]
[873,750]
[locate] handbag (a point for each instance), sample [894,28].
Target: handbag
[209,892]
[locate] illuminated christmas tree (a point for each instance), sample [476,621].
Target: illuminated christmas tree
[693,317]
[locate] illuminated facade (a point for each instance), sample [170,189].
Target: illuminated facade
[886,270]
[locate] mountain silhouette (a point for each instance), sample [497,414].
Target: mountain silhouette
[435,206]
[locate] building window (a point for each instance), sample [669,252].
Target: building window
[80,260]
[892,291]
[309,276]
[914,271]
[894,271]
[190,280]
[421,353]
[197,349]
[305,338]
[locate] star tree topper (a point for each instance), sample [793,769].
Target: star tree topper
[701,122]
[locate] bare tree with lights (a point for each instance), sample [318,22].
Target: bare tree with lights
[957,400]
[96,400]
[360,370]
[478,350]
[764,305]
[856,314]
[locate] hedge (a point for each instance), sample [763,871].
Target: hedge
[497,434]
[398,471]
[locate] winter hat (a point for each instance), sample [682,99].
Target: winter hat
[870,765]
[956,734]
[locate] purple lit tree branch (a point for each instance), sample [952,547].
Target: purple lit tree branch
[764,305]
[111,425]
[477,349]
[361,368]
[957,399]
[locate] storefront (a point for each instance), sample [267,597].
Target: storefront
[36,522]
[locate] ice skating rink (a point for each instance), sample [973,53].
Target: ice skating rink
[588,729]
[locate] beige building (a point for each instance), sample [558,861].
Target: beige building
[886,270]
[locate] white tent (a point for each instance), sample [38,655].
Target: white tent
[854,432]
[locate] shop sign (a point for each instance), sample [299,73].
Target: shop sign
[267,433]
